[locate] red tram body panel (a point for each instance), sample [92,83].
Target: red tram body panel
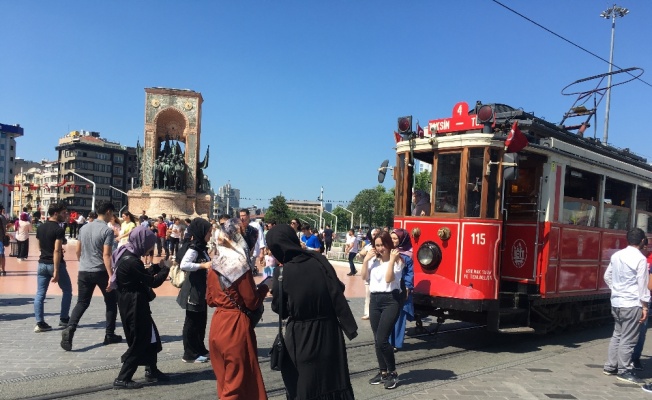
[516,238]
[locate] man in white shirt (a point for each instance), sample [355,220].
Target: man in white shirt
[627,277]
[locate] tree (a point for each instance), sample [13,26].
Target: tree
[385,214]
[423,181]
[375,205]
[278,211]
[343,219]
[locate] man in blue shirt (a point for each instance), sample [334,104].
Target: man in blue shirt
[309,241]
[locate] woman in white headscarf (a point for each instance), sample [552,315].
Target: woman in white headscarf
[232,340]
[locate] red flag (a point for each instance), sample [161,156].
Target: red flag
[419,131]
[397,137]
[516,140]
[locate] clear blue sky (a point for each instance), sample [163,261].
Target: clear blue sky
[304,94]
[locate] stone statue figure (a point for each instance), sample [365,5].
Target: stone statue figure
[139,165]
[201,166]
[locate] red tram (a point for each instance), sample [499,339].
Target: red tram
[516,240]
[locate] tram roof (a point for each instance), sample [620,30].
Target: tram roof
[536,131]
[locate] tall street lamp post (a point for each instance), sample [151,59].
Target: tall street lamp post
[611,13]
[350,212]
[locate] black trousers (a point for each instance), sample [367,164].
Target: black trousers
[327,245]
[194,333]
[73,229]
[23,248]
[173,244]
[86,282]
[384,309]
[130,365]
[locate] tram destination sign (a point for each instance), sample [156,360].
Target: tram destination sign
[460,121]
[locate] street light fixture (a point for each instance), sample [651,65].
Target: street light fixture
[611,13]
[335,230]
[350,212]
[92,183]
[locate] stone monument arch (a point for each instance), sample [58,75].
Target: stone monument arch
[171,171]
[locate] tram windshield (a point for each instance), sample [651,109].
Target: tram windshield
[451,183]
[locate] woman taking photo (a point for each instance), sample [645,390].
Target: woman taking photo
[194,259]
[134,285]
[402,242]
[383,267]
[316,365]
[232,340]
[128,223]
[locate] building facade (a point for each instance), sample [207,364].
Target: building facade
[304,207]
[227,200]
[8,135]
[88,162]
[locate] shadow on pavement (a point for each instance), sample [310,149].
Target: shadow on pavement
[17,301]
[426,375]
[15,317]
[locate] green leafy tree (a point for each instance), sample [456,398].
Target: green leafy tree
[423,181]
[375,205]
[385,214]
[343,219]
[278,211]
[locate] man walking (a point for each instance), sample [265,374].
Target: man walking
[3,232]
[255,240]
[627,277]
[328,238]
[52,267]
[94,253]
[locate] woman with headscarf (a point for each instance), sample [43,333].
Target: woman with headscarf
[232,340]
[194,259]
[313,301]
[134,284]
[22,236]
[401,240]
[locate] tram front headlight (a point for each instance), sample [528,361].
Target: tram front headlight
[429,256]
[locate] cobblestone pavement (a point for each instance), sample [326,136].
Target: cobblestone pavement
[465,365]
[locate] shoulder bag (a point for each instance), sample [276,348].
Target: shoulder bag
[278,351]
[177,275]
[254,315]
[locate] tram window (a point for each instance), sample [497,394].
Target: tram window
[617,204]
[644,209]
[474,182]
[448,183]
[492,185]
[581,193]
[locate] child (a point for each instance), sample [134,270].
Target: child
[270,263]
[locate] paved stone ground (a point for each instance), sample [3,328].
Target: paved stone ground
[565,366]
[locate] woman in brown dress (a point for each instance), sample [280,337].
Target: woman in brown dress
[232,340]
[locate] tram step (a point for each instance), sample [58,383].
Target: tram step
[517,329]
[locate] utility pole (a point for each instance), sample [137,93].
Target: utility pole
[611,13]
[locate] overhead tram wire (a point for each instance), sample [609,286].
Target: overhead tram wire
[564,39]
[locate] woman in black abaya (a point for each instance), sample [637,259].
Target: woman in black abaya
[134,285]
[318,313]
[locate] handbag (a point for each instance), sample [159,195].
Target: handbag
[6,240]
[177,275]
[278,351]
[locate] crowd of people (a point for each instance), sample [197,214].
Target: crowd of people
[220,259]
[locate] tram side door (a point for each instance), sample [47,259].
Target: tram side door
[521,225]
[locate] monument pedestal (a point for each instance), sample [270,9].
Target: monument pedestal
[171,203]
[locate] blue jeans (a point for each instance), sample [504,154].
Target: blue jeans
[44,275]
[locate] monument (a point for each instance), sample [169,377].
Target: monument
[172,178]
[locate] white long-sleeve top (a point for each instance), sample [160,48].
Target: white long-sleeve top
[627,277]
[187,262]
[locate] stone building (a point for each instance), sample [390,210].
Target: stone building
[102,162]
